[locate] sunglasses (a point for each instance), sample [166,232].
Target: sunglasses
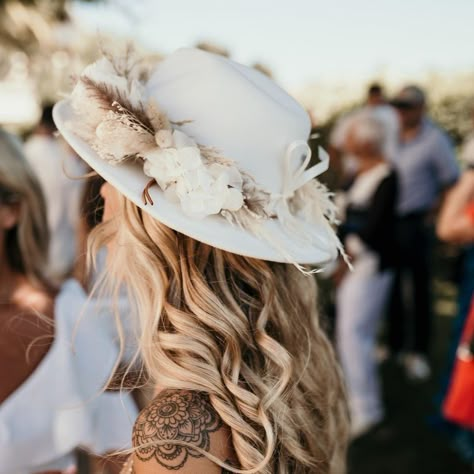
[404,105]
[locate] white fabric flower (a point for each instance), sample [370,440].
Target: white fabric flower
[233,174]
[202,195]
[182,140]
[181,173]
[168,164]
[234,200]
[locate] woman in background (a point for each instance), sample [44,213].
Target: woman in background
[51,399]
[25,290]
[368,235]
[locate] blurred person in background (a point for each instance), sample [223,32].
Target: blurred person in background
[377,104]
[456,225]
[367,232]
[54,164]
[427,167]
[53,372]
[387,115]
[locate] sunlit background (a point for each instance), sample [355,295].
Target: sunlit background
[324,53]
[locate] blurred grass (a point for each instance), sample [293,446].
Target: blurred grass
[408,442]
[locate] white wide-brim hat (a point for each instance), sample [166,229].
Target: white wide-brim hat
[239,113]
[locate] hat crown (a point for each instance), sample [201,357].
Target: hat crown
[232,108]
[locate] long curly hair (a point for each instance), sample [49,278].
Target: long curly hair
[242,330]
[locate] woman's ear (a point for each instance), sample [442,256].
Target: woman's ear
[9,214]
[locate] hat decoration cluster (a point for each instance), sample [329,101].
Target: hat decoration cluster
[122,125]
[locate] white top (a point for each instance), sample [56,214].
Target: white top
[61,406]
[55,165]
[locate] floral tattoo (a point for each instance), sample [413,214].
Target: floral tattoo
[175,416]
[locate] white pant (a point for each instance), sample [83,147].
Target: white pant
[360,300]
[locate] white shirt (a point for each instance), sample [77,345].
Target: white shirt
[62,405]
[426,165]
[51,160]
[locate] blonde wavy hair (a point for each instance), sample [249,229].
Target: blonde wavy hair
[244,331]
[27,242]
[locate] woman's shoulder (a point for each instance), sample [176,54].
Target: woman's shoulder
[26,334]
[176,431]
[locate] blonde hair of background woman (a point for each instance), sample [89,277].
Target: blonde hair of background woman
[242,330]
[27,243]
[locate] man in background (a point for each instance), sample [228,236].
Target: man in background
[426,167]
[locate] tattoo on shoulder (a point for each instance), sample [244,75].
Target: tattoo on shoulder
[175,416]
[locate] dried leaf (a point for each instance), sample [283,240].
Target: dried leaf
[111,99]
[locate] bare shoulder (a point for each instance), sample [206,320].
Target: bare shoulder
[171,433]
[26,335]
[32,300]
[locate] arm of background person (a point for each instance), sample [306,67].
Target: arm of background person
[455,223]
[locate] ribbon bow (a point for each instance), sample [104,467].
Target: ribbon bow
[297,176]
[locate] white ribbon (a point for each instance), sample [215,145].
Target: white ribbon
[293,177]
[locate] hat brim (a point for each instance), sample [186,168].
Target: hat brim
[130,180]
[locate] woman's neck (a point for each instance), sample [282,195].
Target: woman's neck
[9,280]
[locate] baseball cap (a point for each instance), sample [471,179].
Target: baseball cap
[408,97]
